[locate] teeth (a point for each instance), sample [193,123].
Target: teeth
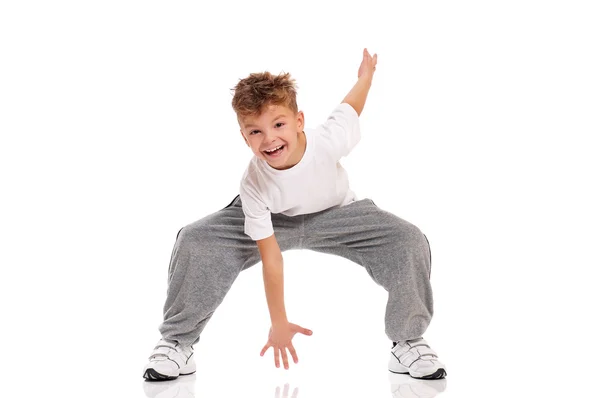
[274,149]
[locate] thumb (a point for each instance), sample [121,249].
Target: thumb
[300,329]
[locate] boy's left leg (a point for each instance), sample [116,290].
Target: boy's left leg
[394,253]
[397,256]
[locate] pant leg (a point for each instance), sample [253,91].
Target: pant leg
[207,257]
[394,253]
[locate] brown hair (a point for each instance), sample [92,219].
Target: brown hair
[258,90]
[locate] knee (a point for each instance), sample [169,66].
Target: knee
[194,233]
[409,235]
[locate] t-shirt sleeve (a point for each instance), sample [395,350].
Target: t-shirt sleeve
[257,217]
[341,131]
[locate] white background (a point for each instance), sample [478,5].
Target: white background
[480,128]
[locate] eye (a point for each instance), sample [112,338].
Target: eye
[254,131]
[279,124]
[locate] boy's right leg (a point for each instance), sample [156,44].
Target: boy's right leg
[207,257]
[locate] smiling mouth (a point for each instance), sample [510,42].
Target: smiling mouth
[275,152]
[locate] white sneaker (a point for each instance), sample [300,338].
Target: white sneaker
[168,361]
[416,358]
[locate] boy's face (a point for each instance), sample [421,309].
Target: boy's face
[276,126]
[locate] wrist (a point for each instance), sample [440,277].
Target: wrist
[366,79]
[279,323]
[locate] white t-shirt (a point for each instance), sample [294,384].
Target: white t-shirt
[316,183]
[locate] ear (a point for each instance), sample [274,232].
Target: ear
[245,139]
[300,121]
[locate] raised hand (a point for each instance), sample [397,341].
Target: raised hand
[280,338]
[368,64]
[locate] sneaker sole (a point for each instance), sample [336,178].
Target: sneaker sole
[438,374]
[153,375]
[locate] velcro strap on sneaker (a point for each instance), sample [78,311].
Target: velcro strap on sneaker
[161,351]
[165,343]
[414,354]
[170,347]
[425,351]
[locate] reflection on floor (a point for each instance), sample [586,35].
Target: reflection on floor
[401,386]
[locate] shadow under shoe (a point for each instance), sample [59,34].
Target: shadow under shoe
[405,386]
[183,387]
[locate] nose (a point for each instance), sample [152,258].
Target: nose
[270,135]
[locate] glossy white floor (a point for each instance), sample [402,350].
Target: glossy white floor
[498,334]
[479,128]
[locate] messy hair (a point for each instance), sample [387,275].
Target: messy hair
[252,94]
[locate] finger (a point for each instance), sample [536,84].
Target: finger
[285,358]
[293,352]
[295,393]
[300,329]
[374,59]
[285,390]
[265,348]
[277,392]
[276,353]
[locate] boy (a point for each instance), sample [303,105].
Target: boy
[295,195]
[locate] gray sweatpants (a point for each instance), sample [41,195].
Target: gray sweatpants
[210,253]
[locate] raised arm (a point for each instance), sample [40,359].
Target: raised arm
[358,94]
